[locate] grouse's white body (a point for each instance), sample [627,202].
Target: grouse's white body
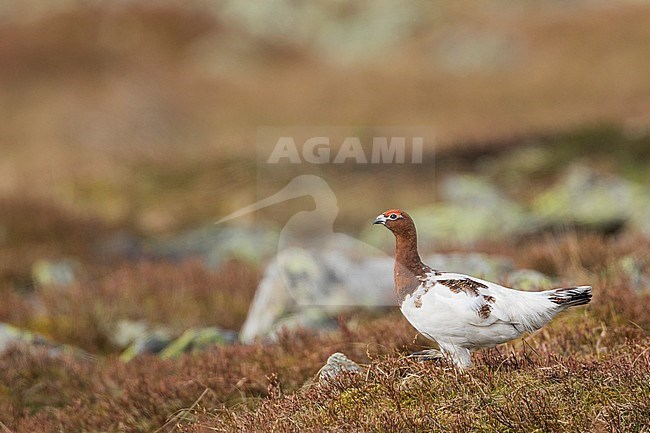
[463,313]
[461,321]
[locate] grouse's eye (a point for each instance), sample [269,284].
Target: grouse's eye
[393,216]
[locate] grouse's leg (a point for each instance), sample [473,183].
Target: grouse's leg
[427,355]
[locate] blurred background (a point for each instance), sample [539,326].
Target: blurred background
[129,127]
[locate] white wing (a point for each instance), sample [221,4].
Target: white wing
[463,310]
[493,303]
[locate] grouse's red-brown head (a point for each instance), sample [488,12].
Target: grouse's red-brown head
[397,221]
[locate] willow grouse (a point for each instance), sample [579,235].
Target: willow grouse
[463,313]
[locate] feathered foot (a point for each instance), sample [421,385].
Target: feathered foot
[427,355]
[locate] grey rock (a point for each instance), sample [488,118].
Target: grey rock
[299,279]
[331,278]
[271,302]
[336,364]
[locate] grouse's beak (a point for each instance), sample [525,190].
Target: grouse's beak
[381,219]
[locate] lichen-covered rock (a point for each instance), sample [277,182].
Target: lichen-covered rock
[150,344]
[300,279]
[142,338]
[472,209]
[198,339]
[11,336]
[586,198]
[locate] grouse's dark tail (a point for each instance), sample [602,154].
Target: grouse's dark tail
[570,296]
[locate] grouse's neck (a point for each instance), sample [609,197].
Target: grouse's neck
[408,265]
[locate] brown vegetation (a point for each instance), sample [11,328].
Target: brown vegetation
[588,371]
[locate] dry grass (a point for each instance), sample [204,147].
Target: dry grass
[503,393]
